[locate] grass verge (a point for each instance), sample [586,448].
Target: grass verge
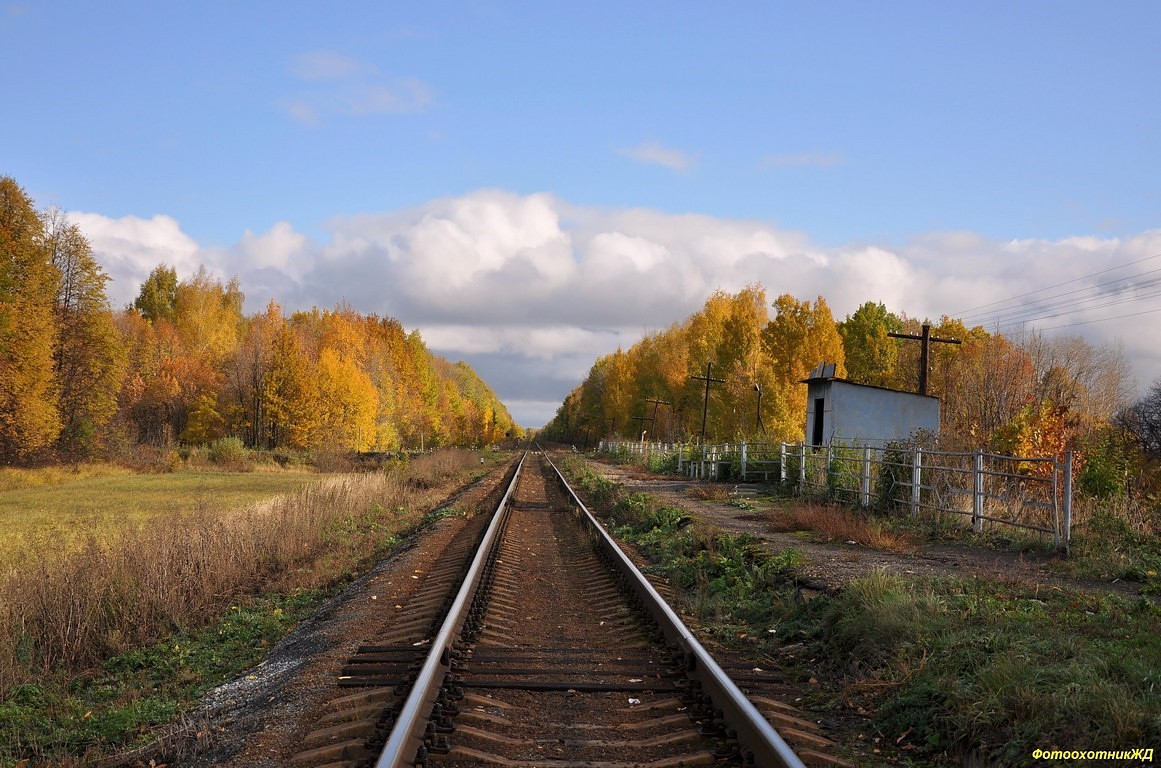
[73,720]
[984,670]
[948,671]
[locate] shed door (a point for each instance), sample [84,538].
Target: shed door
[816,437]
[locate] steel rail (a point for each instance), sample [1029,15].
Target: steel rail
[754,732]
[407,732]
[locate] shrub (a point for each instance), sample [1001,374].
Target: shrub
[228,452]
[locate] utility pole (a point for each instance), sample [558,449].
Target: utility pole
[925,338]
[758,422]
[653,421]
[708,379]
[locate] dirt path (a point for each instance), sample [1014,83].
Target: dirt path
[832,565]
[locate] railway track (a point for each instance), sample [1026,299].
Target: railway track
[534,642]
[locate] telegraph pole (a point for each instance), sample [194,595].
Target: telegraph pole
[758,422]
[925,338]
[708,379]
[653,421]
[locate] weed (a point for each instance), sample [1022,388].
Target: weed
[708,492]
[834,523]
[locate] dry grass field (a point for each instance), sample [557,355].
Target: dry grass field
[47,511]
[107,561]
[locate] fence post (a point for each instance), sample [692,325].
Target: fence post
[978,491]
[865,485]
[1067,501]
[744,446]
[802,466]
[826,470]
[782,462]
[916,480]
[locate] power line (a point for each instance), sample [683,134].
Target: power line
[1099,301]
[968,312]
[1103,319]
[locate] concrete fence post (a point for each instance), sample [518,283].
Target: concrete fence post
[1067,500]
[865,485]
[916,480]
[978,491]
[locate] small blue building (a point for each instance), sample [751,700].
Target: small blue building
[861,414]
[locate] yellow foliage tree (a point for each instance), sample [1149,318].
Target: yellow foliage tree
[29,416]
[800,336]
[347,404]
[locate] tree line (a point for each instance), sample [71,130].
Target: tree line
[184,365]
[1024,395]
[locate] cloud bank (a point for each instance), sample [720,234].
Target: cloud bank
[530,289]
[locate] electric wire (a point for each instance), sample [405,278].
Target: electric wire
[970,310]
[1132,288]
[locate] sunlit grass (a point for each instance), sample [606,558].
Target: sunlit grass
[124,631]
[56,510]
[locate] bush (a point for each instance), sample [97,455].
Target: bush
[1107,465]
[228,452]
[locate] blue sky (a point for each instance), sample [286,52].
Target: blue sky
[625,159]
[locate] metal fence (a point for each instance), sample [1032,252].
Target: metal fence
[1031,493]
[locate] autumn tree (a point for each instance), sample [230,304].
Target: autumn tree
[800,336]
[871,354]
[194,330]
[1142,421]
[208,315]
[245,377]
[1091,382]
[347,402]
[989,386]
[90,359]
[290,392]
[620,392]
[157,298]
[29,414]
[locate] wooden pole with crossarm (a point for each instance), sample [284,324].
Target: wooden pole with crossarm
[705,403]
[925,338]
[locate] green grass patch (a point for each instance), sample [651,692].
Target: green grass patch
[1108,548]
[734,586]
[134,692]
[958,667]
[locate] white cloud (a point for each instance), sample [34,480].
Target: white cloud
[653,153]
[403,96]
[302,112]
[803,160]
[324,65]
[341,85]
[531,290]
[130,248]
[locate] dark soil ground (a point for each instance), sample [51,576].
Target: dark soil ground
[833,565]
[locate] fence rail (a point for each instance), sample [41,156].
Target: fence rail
[1031,493]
